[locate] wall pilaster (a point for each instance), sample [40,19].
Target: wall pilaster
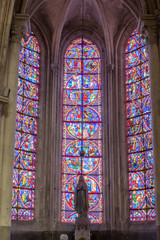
[56,151]
[6,11]
[8,126]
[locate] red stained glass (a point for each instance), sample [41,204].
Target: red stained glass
[82,128]
[139,131]
[23,197]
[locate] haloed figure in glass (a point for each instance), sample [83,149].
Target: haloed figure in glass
[139,131]
[26,130]
[82,128]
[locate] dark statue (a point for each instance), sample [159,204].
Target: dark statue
[81,198]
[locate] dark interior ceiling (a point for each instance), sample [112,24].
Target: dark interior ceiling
[52,13]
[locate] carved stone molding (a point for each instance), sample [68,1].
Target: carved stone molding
[4,99]
[149,27]
[82,228]
[151,34]
[55,67]
[18,27]
[28,26]
[110,67]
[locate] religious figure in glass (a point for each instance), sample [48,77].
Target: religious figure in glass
[23,194]
[139,130]
[82,128]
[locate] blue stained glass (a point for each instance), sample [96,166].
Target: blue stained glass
[136,180]
[139,131]
[23,199]
[82,128]
[133,74]
[136,161]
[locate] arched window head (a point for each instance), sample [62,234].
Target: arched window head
[139,131]
[82,128]
[23,199]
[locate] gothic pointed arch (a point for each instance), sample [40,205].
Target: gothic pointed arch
[82,127]
[23,199]
[139,130]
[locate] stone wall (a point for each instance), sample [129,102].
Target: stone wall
[56,23]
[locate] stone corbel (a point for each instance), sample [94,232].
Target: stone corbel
[5,97]
[4,100]
[148,28]
[18,27]
[4,104]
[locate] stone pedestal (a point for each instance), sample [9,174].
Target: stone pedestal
[82,228]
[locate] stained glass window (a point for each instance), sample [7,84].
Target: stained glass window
[139,131]
[26,130]
[82,128]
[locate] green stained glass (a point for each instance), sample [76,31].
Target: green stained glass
[139,131]
[82,128]
[23,200]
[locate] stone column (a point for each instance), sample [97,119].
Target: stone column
[55,148]
[8,128]
[149,27]
[6,11]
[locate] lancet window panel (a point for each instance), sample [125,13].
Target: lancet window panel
[82,128]
[23,195]
[139,131]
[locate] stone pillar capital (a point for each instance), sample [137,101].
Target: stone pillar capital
[18,27]
[110,67]
[149,28]
[55,67]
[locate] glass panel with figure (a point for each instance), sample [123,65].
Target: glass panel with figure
[139,131]
[82,128]
[23,195]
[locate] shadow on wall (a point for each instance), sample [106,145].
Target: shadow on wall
[96,235]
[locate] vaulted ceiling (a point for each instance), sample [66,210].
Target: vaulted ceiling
[56,13]
[55,17]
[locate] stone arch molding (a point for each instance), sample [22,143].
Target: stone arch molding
[102,36]
[64,22]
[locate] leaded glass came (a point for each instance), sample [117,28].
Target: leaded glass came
[26,130]
[139,131]
[82,128]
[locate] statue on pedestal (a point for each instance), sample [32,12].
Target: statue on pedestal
[81,198]
[82,224]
